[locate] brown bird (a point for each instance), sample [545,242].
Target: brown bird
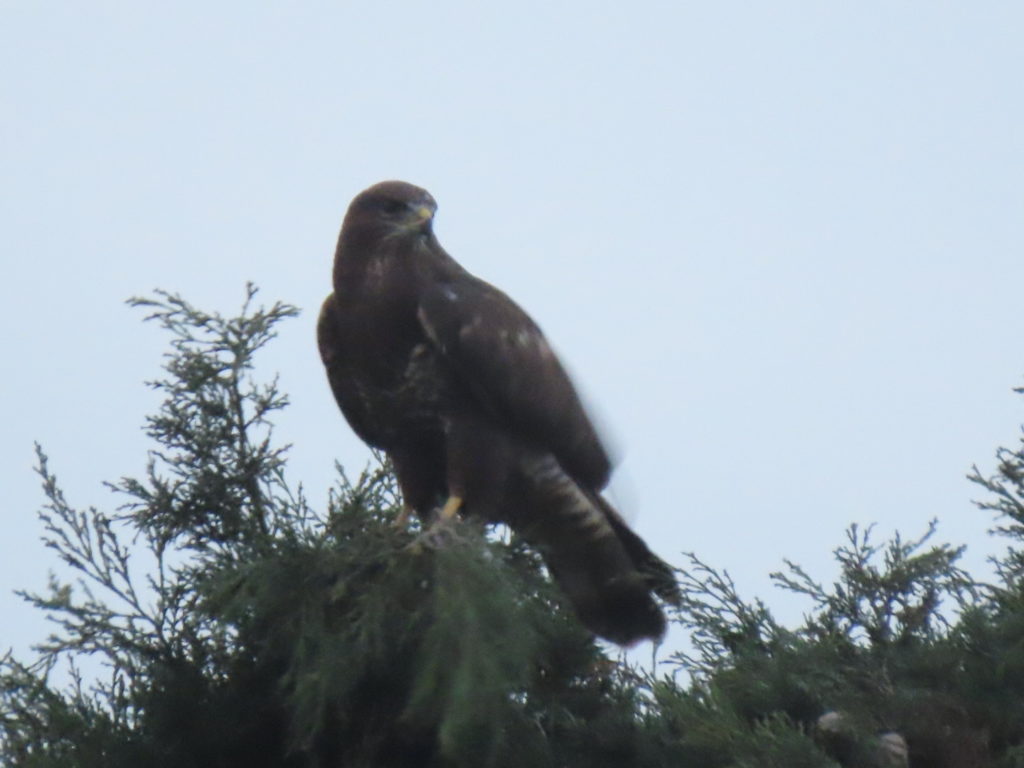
[455,382]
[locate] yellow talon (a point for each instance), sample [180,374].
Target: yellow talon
[403,517]
[450,508]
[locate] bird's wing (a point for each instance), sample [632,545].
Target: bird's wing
[346,392]
[501,357]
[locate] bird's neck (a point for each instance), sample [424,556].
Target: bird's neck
[359,247]
[392,265]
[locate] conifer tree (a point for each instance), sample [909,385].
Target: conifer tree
[238,626]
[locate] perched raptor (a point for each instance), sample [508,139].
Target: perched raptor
[455,382]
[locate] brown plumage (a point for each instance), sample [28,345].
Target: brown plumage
[455,382]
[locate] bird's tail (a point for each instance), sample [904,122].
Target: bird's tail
[608,573]
[659,575]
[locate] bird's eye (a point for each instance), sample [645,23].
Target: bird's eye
[392,206]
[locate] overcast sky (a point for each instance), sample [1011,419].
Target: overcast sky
[780,245]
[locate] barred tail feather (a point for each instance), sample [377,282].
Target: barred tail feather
[605,569]
[659,575]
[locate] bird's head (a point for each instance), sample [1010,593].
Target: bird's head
[393,208]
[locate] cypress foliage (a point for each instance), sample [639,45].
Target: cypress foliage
[237,626]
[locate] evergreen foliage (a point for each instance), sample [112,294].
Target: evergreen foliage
[237,626]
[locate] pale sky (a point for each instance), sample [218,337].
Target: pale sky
[780,245]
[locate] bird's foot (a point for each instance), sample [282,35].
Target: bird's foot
[402,521]
[449,510]
[441,531]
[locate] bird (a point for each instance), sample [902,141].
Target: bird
[459,387]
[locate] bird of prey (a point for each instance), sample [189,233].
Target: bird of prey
[458,386]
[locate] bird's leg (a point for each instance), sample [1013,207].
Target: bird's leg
[450,508]
[402,521]
[440,532]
